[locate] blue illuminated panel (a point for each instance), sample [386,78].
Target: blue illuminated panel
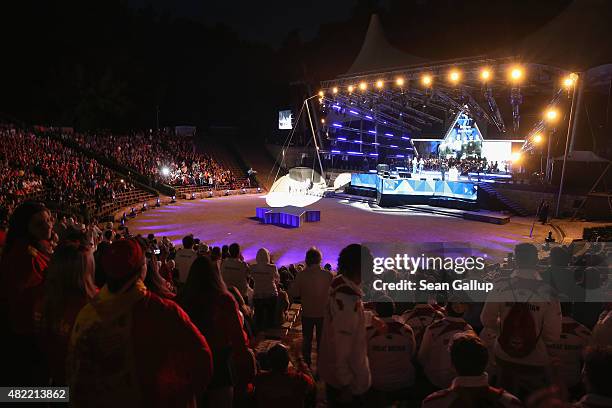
[464,190]
[363,180]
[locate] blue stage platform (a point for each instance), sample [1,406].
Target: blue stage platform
[288,216]
[400,191]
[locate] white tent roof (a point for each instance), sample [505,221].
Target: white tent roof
[577,39]
[377,54]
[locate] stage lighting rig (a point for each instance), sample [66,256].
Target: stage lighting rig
[363,85]
[454,76]
[485,74]
[351,88]
[335,90]
[380,84]
[399,81]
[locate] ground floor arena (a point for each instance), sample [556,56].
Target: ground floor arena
[230,219]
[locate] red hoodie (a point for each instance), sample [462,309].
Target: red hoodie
[22,271]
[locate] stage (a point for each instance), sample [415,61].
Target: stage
[392,190]
[225,220]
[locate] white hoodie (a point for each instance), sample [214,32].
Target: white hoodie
[265,276]
[545,311]
[343,358]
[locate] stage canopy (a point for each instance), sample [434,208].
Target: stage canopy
[387,91]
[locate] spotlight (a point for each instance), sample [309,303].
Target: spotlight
[193,196]
[570,80]
[173,199]
[243,190]
[426,80]
[537,138]
[322,121]
[551,115]
[399,81]
[227,192]
[259,189]
[516,156]
[351,88]
[165,171]
[454,76]
[158,202]
[363,86]
[122,180]
[335,90]
[485,74]
[211,194]
[379,84]
[321,94]
[516,74]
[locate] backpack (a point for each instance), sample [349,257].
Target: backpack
[519,334]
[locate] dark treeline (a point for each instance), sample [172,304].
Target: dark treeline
[102,64]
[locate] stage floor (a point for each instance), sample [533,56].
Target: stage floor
[230,219]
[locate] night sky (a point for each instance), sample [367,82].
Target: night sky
[266,21]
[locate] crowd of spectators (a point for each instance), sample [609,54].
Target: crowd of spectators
[160,155]
[138,320]
[34,163]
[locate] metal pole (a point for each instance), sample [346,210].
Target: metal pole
[567,140]
[581,86]
[314,138]
[548,166]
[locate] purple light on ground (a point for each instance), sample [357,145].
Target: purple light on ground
[353,112]
[405,138]
[341,138]
[393,146]
[389,134]
[337,125]
[368,117]
[336,106]
[335,151]
[357,141]
[372,131]
[375,143]
[355,153]
[373,154]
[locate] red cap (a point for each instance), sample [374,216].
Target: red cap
[124,258]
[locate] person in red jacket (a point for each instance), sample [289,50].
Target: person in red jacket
[215,312]
[22,269]
[129,347]
[282,386]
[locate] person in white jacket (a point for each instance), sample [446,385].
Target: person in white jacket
[391,351]
[343,359]
[569,349]
[434,354]
[265,292]
[528,317]
[235,272]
